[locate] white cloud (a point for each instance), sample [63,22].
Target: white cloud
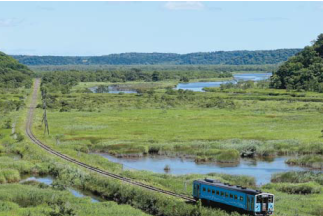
[9,22]
[189,5]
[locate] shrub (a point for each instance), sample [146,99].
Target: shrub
[298,177]
[314,161]
[9,176]
[300,188]
[7,124]
[20,137]
[228,156]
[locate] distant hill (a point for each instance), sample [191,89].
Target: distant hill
[304,71]
[12,73]
[202,58]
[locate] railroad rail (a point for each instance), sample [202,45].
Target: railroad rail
[84,165]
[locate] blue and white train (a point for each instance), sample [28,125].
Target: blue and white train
[236,198]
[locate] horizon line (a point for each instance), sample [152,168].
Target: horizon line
[150,53]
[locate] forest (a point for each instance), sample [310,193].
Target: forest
[13,74]
[304,71]
[201,58]
[266,68]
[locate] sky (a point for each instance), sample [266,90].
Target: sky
[102,28]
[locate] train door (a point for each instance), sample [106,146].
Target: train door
[264,206]
[250,203]
[197,190]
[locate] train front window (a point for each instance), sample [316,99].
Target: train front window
[270,199]
[259,200]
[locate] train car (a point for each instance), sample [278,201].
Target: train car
[237,198]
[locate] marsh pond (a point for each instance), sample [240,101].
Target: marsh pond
[192,86]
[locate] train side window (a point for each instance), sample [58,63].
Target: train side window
[235,197]
[213,191]
[241,198]
[231,196]
[217,192]
[208,190]
[222,193]
[226,194]
[203,188]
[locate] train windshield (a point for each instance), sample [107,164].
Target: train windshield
[264,200]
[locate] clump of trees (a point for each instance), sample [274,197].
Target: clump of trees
[304,71]
[13,74]
[64,81]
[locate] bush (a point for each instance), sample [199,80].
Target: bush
[300,188]
[228,156]
[9,176]
[313,161]
[298,177]
[7,124]
[20,137]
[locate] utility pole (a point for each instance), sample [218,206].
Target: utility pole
[44,120]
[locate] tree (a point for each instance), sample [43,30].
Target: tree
[303,71]
[184,79]
[7,124]
[156,76]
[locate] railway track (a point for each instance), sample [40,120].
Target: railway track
[86,166]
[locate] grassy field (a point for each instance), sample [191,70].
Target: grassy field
[215,122]
[183,125]
[18,158]
[273,122]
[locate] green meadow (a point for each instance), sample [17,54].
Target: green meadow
[274,122]
[216,125]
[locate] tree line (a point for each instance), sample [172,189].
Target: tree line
[201,58]
[186,68]
[63,80]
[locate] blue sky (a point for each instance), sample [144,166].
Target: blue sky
[100,28]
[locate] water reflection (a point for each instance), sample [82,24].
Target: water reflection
[48,180]
[194,86]
[261,170]
[198,86]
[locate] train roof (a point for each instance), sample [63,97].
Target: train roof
[229,187]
